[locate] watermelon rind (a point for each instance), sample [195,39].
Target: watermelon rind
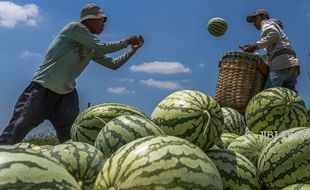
[237,171]
[249,145]
[233,121]
[191,115]
[25,169]
[88,123]
[159,162]
[285,159]
[275,109]
[122,130]
[82,160]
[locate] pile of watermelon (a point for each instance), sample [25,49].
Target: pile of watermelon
[188,142]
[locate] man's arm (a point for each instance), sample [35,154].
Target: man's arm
[269,37]
[114,64]
[111,63]
[82,35]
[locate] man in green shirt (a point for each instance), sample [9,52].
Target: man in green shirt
[51,94]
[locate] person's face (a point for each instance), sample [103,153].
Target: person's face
[96,26]
[257,21]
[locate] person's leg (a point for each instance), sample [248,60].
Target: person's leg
[64,114]
[268,82]
[29,111]
[290,79]
[275,79]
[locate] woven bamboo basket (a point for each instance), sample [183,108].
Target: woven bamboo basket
[241,76]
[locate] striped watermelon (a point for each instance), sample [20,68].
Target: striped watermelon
[249,145]
[285,160]
[233,121]
[215,147]
[89,122]
[161,162]
[237,171]
[191,115]
[42,148]
[24,145]
[27,145]
[275,109]
[298,187]
[227,138]
[217,26]
[26,169]
[122,130]
[81,160]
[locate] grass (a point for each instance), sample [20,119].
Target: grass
[44,138]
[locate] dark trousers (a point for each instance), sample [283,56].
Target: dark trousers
[37,104]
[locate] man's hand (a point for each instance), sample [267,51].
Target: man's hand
[141,41]
[135,41]
[249,48]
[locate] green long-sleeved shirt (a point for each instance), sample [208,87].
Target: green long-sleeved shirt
[70,53]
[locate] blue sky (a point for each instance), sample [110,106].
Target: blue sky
[178,52]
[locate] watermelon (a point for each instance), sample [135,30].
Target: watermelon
[249,145]
[227,138]
[237,171]
[233,121]
[285,159]
[122,130]
[81,160]
[89,122]
[191,115]
[25,145]
[297,187]
[275,109]
[42,148]
[27,169]
[217,26]
[215,147]
[159,162]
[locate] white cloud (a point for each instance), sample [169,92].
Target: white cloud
[119,90]
[162,84]
[164,67]
[27,54]
[11,14]
[127,80]
[201,65]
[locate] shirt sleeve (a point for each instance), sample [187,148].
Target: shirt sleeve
[269,36]
[82,35]
[111,63]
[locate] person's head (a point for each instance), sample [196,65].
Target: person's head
[257,17]
[93,18]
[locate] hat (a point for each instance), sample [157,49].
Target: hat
[257,12]
[91,11]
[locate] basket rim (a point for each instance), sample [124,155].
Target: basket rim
[260,64]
